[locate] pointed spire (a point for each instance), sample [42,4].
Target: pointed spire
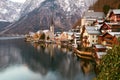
[52,25]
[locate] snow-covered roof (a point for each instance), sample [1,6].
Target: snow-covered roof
[115,23]
[99,46]
[117,34]
[45,31]
[92,30]
[100,21]
[116,11]
[94,15]
[100,54]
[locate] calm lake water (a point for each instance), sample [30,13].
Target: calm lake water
[20,60]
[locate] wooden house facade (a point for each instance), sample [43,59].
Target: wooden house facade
[105,28]
[109,39]
[113,15]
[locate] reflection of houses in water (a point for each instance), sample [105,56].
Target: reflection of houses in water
[42,46]
[72,69]
[51,50]
[55,60]
[9,54]
[64,49]
[58,46]
[42,63]
[86,66]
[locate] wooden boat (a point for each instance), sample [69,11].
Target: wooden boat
[82,54]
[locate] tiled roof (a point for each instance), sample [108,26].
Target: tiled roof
[116,11]
[117,34]
[92,30]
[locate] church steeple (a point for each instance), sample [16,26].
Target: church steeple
[52,18]
[52,25]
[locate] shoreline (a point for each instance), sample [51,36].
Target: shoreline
[7,38]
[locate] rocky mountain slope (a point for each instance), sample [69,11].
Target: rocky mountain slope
[9,10]
[37,15]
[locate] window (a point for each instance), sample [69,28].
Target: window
[96,40]
[118,16]
[93,36]
[92,40]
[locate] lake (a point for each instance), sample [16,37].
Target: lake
[20,60]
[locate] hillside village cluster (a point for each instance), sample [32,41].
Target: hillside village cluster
[97,30]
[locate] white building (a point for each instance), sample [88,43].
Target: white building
[90,36]
[90,16]
[49,34]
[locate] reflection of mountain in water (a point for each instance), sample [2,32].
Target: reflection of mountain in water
[42,59]
[38,60]
[9,54]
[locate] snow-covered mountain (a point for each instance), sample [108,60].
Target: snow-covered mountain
[9,11]
[36,14]
[70,6]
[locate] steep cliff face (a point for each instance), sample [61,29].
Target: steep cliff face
[37,14]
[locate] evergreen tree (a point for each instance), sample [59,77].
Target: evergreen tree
[110,65]
[119,6]
[106,8]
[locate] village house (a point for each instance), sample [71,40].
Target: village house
[105,28]
[65,36]
[99,50]
[35,37]
[90,36]
[31,36]
[75,33]
[89,17]
[113,16]
[98,22]
[48,34]
[109,39]
[115,27]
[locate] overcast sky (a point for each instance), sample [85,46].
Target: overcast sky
[21,1]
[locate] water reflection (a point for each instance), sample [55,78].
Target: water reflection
[25,61]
